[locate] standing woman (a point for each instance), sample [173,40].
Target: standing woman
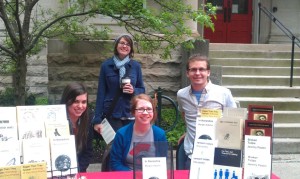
[75,97]
[112,71]
[141,130]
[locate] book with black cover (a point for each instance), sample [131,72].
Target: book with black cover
[228,157]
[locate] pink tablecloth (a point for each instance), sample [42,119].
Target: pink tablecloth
[178,174]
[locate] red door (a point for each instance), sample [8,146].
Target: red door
[233,23]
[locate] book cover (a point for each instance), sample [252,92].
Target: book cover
[227,172]
[230,132]
[36,151]
[153,164]
[202,159]
[236,112]
[228,157]
[259,128]
[257,166]
[10,172]
[30,122]
[206,128]
[260,112]
[54,113]
[10,153]
[57,128]
[34,171]
[8,124]
[63,155]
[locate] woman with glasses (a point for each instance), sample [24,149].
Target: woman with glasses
[141,130]
[112,71]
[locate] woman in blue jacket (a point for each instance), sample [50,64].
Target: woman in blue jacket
[111,73]
[141,130]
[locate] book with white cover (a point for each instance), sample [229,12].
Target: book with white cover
[230,132]
[57,128]
[8,124]
[202,159]
[54,113]
[10,153]
[36,150]
[257,158]
[222,171]
[153,164]
[30,122]
[63,155]
[206,128]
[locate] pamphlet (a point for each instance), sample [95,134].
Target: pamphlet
[108,132]
[153,164]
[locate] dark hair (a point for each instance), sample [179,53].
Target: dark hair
[145,97]
[198,57]
[68,97]
[128,40]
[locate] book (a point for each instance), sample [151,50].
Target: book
[257,158]
[221,171]
[259,128]
[228,157]
[236,112]
[10,172]
[57,128]
[206,128]
[36,151]
[10,153]
[230,132]
[8,124]
[34,170]
[63,155]
[30,122]
[54,113]
[153,164]
[260,112]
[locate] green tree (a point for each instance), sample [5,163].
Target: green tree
[28,26]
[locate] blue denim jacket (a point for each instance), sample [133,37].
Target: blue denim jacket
[109,83]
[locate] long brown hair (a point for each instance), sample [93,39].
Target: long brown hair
[68,97]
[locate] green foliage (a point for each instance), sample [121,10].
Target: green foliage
[168,116]
[41,101]
[7,97]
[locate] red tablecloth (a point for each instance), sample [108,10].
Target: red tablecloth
[178,174]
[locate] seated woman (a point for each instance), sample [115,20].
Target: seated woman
[75,97]
[141,130]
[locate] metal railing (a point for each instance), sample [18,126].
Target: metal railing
[170,104]
[286,31]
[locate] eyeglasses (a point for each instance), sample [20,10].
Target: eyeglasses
[194,70]
[124,44]
[141,110]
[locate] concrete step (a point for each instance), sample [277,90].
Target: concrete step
[288,130]
[252,61]
[260,70]
[265,91]
[286,145]
[280,104]
[251,80]
[251,47]
[252,54]
[287,116]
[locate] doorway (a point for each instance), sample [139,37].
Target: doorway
[233,23]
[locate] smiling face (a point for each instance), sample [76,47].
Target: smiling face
[198,74]
[143,112]
[76,109]
[123,48]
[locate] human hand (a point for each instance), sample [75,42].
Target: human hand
[181,138]
[128,88]
[98,128]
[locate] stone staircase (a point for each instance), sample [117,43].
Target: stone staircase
[260,74]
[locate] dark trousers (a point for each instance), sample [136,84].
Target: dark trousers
[118,123]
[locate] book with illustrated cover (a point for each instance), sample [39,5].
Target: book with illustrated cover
[57,128]
[30,122]
[259,128]
[8,124]
[260,112]
[221,171]
[10,172]
[206,128]
[54,113]
[36,151]
[34,170]
[10,153]
[230,132]
[228,157]
[63,155]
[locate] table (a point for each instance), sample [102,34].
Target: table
[178,174]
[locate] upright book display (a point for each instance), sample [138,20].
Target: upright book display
[8,124]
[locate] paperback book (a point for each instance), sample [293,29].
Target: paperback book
[10,153]
[260,112]
[8,124]
[63,155]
